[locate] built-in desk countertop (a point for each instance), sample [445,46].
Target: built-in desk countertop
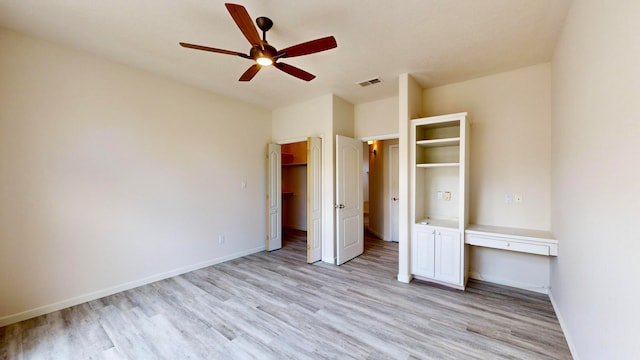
[512,239]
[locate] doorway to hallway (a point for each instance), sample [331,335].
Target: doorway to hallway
[380,186]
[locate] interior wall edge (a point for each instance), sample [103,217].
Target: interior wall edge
[563,326]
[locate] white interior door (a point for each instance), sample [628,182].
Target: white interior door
[349,217]
[314,199]
[394,188]
[274,197]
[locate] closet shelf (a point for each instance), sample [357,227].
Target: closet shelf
[295,164]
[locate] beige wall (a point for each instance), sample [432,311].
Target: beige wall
[343,117]
[376,118]
[111,177]
[297,122]
[510,143]
[596,178]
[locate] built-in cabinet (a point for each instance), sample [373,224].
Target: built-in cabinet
[439,187]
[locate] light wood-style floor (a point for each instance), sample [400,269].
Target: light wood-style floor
[275,306]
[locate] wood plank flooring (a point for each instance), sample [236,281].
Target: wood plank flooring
[275,306]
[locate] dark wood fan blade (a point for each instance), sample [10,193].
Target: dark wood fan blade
[294,71]
[250,73]
[309,47]
[206,48]
[244,22]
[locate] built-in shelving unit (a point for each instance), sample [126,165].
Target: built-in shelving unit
[439,185]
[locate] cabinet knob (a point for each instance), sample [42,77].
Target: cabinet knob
[507,244]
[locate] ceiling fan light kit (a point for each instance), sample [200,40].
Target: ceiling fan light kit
[261,52]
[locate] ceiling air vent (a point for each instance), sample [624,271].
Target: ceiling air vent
[369,82]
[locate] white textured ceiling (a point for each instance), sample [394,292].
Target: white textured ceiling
[437,41]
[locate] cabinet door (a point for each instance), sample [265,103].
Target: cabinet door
[448,255]
[423,251]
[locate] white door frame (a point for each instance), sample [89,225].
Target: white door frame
[390,197]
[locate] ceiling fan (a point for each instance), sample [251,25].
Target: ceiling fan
[263,53]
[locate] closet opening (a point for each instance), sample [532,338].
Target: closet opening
[294,198]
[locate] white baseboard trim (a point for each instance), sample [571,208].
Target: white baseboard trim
[405,278]
[31,313]
[563,326]
[330,260]
[511,283]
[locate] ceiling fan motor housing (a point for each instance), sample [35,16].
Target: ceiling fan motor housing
[269,51]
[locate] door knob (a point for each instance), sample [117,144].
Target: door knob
[395,199]
[339,206]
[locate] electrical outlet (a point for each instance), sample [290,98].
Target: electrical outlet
[447,196]
[517,198]
[221,239]
[440,195]
[508,198]
[243,184]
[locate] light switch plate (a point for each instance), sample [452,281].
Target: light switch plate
[517,198]
[508,198]
[447,196]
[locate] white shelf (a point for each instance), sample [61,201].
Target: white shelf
[439,142]
[525,234]
[435,165]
